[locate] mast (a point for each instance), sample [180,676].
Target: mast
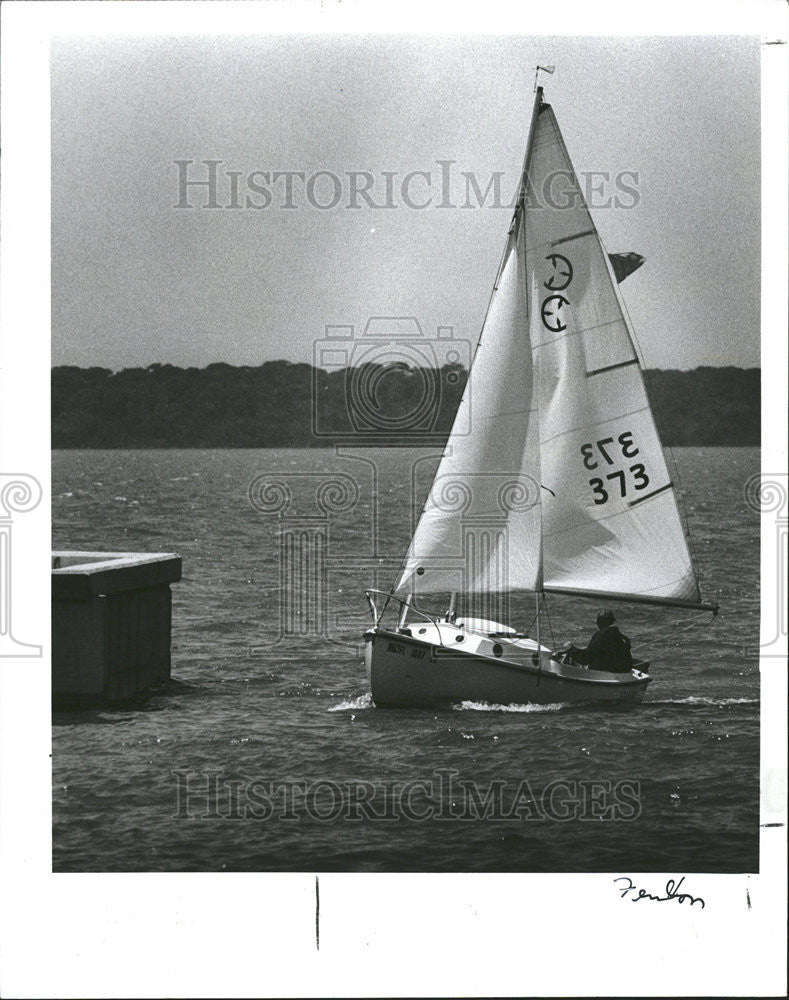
[525,168]
[538,591]
[518,205]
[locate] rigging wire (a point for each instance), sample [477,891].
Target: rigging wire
[685,628]
[511,238]
[550,626]
[532,623]
[658,629]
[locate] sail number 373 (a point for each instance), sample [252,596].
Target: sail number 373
[601,455]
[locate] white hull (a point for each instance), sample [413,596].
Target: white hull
[409,669]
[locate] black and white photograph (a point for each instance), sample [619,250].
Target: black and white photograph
[393,499]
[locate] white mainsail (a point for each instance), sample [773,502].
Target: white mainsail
[610,524]
[555,397]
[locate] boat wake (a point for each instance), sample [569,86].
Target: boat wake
[701,700]
[363,701]
[484,706]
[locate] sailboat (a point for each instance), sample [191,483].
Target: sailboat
[552,481]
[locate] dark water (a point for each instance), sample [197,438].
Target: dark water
[269,755]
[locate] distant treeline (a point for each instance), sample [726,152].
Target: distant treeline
[279,404]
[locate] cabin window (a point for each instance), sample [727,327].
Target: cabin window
[497,649]
[459,638]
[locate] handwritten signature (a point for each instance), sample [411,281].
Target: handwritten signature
[672,892]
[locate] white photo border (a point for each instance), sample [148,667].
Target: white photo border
[178,935]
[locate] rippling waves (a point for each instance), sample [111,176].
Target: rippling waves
[269,754]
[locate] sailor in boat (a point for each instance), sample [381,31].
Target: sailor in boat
[608,648]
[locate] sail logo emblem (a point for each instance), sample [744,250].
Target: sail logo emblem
[551,308]
[556,282]
[562,273]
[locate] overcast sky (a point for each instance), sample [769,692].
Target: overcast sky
[137,280]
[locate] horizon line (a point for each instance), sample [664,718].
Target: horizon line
[307,364]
